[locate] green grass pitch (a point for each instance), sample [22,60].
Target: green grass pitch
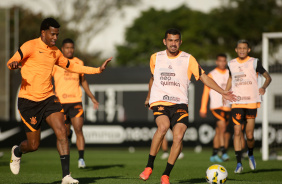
[118,166]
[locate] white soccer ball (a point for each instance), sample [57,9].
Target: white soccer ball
[216,174]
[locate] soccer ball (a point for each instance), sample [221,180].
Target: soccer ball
[216,174]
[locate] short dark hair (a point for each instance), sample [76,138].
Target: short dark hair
[221,55]
[243,41]
[173,31]
[67,40]
[49,22]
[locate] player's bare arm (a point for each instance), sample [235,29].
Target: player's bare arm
[85,86]
[104,65]
[149,91]
[228,95]
[266,83]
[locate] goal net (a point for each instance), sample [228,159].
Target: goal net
[272,100]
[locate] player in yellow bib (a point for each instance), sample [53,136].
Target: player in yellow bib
[168,97]
[244,81]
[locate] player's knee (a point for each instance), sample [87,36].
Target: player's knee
[61,132]
[162,129]
[33,146]
[250,136]
[177,138]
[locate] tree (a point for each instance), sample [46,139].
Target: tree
[203,34]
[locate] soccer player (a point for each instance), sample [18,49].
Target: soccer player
[69,93]
[244,82]
[168,97]
[36,100]
[220,112]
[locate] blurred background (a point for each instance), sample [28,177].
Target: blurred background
[131,31]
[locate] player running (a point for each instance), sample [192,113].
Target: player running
[244,82]
[68,91]
[220,112]
[36,100]
[168,97]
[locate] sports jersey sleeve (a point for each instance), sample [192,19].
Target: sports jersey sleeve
[229,71]
[24,52]
[260,68]
[205,98]
[76,68]
[153,63]
[194,68]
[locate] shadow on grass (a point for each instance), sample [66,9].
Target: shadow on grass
[82,180]
[195,180]
[261,170]
[99,167]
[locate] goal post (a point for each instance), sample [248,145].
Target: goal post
[265,55]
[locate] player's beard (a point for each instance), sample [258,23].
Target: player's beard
[173,49]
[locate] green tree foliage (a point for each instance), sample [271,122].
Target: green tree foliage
[203,34]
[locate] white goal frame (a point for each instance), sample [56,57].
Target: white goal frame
[265,123]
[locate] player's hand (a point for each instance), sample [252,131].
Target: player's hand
[95,104]
[203,115]
[14,65]
[228,95]
[103,67]
[146,103]
[261,91]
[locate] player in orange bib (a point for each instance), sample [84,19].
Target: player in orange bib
[168,97]
[220,112]
[244,81]
[36,100]
[68,91]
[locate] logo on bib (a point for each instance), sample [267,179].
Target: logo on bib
[171,98]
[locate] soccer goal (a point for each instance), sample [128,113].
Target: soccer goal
[266,56]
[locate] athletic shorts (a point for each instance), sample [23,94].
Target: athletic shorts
[176,113]
[219,114]
[34,113]
[240,115]
[72,110]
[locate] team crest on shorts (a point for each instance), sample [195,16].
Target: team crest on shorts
[33,120]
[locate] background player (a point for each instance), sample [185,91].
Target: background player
[168,97]
[68,91]
[36,100]
[244,82]
[220,112]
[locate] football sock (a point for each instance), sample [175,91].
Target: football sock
[81,154]
[17,152]
[238,155]
[214,151]
[250,151]
[151,161]
[65,162]
[168,169]
[223,150]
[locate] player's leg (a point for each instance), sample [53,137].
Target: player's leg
[29,145]
[165,149]
[250,141]
[77,123]
[218,138]
[237,118]
[178,132]
[163,124]
[56,122]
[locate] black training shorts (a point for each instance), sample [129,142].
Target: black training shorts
[34,113]
[72,110]
[177,113]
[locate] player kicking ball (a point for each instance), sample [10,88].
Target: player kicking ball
[36,100]
[220,112]
[68,91]
[168,97]
[244,82]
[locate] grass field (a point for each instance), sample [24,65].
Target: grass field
[115,166]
